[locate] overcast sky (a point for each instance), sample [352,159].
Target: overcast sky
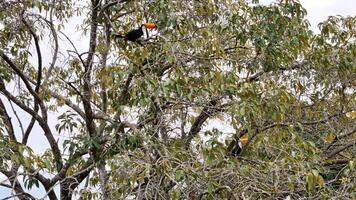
[318,11]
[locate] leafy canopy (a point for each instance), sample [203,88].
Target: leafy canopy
[148,121]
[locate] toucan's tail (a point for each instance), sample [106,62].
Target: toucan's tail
[118,36]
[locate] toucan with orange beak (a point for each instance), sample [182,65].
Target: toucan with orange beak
[235,147]
[135,34]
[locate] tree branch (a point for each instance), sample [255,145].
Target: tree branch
[123,97]
[38,50]
[104,106]
[38,83]
[87,66]
[12,177]
[7,121]
[75,49]
[19,73]
[67,101]
[17,117]
[56,46]
[47,131]
[346,146]
[257,76]
[203,116]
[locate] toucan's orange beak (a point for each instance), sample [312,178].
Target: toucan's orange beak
[150,25]
[244,140]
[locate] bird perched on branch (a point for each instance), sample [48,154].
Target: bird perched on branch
[135,34]
[235,148]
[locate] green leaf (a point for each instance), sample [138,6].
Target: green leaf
[179,175]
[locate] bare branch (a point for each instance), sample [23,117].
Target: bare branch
[69,103]
[323,121]
[123,97]
[61,174]
[7,121]
[29,127]
[38,49]
[257,76]
[347,134]
[75,49]
[22,195]
[87,66]
[56,46]
[198,123]
[342,148]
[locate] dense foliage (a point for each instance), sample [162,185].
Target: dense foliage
[154,121]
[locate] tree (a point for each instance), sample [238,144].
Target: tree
[140,121]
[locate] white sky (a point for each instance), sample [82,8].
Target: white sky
[318,11]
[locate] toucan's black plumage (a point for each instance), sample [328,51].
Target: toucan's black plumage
[135,34]
[235,148]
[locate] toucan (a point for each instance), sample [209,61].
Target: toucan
[133,35]
[235,148]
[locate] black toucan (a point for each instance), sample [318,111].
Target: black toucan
[133,35]
[235,148]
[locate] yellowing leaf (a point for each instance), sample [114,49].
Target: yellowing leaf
[351,114]
[329,137]
[319,180]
